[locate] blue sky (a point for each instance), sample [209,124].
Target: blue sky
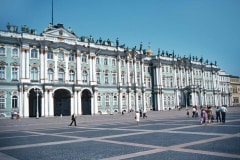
[207,28]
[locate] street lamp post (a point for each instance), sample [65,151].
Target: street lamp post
[37,92]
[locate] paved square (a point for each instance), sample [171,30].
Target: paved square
[164,135]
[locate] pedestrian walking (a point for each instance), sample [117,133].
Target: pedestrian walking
[203,116]
[193,112]
[187,113]
[137,117]
[218,116]
[223,112]
[74,117]
[209,114]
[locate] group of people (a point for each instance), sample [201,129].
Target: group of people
[207,114]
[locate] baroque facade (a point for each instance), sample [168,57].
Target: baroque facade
[235,90]
[58,73]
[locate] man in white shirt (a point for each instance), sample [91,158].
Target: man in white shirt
[223,112]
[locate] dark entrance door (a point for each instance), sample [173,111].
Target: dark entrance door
[35,98]
[62,102]
[86,102]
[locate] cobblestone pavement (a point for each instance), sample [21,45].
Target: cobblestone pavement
[163,135]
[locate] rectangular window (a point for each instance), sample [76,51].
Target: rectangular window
[14,73]
[2,102]
[15,52]
[2,51]
[2,72]
[114,79]
[98,78]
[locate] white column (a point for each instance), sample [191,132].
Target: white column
[174,77]
[43,104]
[119,70]
[94,69]
[161,101]
[46,98]
[120,101]
[95,102]
[92,105]
[192,78]
[186,71]
[78,68]
[75,102]
[144,100]
[42,67]
[66,68]
[128,74]
[129,99]
[46,67]
[26,104]
[176,101]
[181,77]
[21,100]
[135,71]
[160,76]
[90,68]
[55,57]
[23,60]
[157,76]
[27,65]
[142,73]
[203,79]
[51,103]
[72,104]
[136,101]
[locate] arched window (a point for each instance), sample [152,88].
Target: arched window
[122,78]
[106,77]
[114,78]
[50,55]
[131,78]
[14,52]
[97,60]
[122,63]
[34,53]
[71,57]
[34,74]
[107,100]
[113,62]
[105,61]
[84,58]
[2,51]
[99,100]
[71,76]
[2,102]
[84,76]
[60,56]
[115,100]
[60,75]
[14,102]
[50,74]
[98,78]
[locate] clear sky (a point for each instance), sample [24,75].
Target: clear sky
[207,28]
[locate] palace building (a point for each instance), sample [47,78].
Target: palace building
[58,73]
